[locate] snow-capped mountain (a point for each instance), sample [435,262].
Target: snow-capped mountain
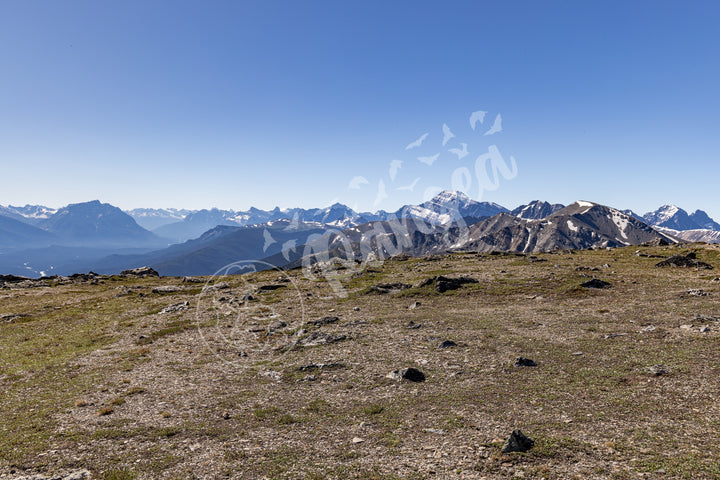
[577,226]
[671,216]
[536,210]
[448,206]
[30,214]
[675,218]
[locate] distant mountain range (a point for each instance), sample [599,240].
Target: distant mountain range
[445,207]
[35,239]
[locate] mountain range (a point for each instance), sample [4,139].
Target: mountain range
[37,240]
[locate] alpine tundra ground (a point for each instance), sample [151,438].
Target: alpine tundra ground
[98,374]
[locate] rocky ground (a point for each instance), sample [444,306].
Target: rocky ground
[410,368]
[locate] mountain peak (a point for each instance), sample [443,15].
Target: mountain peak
[451,196]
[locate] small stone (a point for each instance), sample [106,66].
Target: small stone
[411,374]
[412,325]
[517,442]
[686,327]
[447,344]
[357,440]
[357,309]
[524,362]
[704,329]
[414,305]
[226,416]
[696,292]
[323,321]
[657,370]
[596,283]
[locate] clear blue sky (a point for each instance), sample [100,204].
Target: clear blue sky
[263,103]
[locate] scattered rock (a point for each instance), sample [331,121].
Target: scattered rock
[323,321]
[614,335]
[140,272]
[357,440]
[596,283]
[384,288]
[447,344]
[270,287]
[686,327]
[13,279]
[414,305]
[356,309]
[247,297]
[192,280]
[684,261]
[315,339]
[518,442]
[657,370]
[707,318]
[696,292]
[524,362]
[12,317]
[321,366]
[216,286]
[443,284]
[649,328]
[176,307]
[704,329]
[657,242]
[412,325]
[275,326]
[436,431]
[166,289]
[411,374]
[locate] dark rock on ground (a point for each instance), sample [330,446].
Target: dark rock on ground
[447,344]
[596,283]
[12,279]
[269,288]
[315,339]
[412,325]
[518,442]
[684,261]
[323,321]
[140,272]
[696,292]
[658,242]
[524,362]
[443,283]
[411,374]
[383,288]
[277,325]
[321,366]
[657,370]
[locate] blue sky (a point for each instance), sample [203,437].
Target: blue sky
[243,103]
